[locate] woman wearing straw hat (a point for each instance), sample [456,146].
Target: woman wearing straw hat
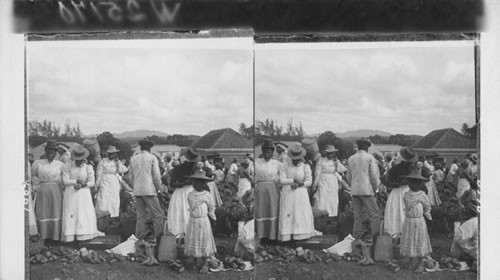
[296,220]
[178,209]
[267,193]
[46,178]
[108,184]
[327,182]
[394,214]
[79,219]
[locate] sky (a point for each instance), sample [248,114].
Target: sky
[408,88]
[185,86]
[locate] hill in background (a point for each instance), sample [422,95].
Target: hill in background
[363,133]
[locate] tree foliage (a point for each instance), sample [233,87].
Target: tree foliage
[469,132]
[247,131]
[273,128]
[40,131]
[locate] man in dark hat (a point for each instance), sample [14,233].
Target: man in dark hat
[364,178]
[146,181]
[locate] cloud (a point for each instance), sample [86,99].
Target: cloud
[117,89]
[396,89]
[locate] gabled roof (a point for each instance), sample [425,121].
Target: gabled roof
[447,138]
[225,138]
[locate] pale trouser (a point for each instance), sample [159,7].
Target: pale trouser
[152,203]
[370,204]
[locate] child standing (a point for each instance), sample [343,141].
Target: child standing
[199,241]
[415,241]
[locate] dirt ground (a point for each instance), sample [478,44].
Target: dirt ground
[267,270]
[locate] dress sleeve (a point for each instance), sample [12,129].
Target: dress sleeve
[308,176]
[283,175]
[100,170]
[90,176]
[122,168]
[66,176]
[211,207]
[427,207]
[340,168]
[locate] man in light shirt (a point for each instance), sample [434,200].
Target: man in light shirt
[146,182]
[466,235]
[364,178]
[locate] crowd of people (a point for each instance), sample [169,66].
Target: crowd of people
[71,191]
[292,186]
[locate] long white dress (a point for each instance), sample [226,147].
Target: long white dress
[244,183]
[108,183]
[432,192]
[199,241]
[327,195]
[296,220]
[79,218]
[178,210]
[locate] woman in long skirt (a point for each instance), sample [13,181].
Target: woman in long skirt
[431,185]
[463,184]
[245,177]
[79,218]
[394,215]
[46,178]
[267,193]
[327,182]
[178,208]
[296,217]
[108,184]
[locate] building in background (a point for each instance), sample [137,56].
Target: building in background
[163,150]
[226,142]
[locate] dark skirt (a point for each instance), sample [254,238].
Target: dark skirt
[48,210]
[267,210]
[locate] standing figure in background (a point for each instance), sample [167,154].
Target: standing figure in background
[267,193]
[431,185]
[463,184]
[245,173]
[452,176]
[296,219]
[472,170]
[364,178]
[63,153]
[47,183]
[327,182]
[108,184]
[218,175]
[146,181]
[232,175]
[79,219]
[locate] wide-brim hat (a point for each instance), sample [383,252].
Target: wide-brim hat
[62,145]
[268,144]
[199,175]
[408,154]
[51,145]
[415,174]
[146,143]
[112,150]
[330,149]
[473,157]
[79,153]
[363,142]
[296,152]
[192,155]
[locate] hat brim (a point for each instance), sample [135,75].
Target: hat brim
[330,150]
[195,159]
[300,156]
[143,143]
[417,177]
[113,151]
[196,177]
[82,157]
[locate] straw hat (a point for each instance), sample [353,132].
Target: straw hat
[473,157]
[296,152]
[112,150]
[281,145]
[79,153]
[200,175]
[330,149]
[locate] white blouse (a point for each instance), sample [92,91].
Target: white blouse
[267,171]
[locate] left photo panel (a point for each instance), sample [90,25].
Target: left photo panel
[140,156]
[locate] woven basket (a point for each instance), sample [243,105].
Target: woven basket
[36,247]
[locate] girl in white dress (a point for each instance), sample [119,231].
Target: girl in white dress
[327,182]
[79,219]
[296,219]
[108,184]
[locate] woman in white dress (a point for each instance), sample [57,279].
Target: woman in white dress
[327,182]
[245,178]
[463,184]
[178,208]
[79,218]
[431,185]
[394,214]
[47,182]
[108,184]
[296,220]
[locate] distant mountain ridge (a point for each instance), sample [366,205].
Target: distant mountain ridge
[139,134]
[363,133]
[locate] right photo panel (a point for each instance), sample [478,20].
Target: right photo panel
[366,160]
